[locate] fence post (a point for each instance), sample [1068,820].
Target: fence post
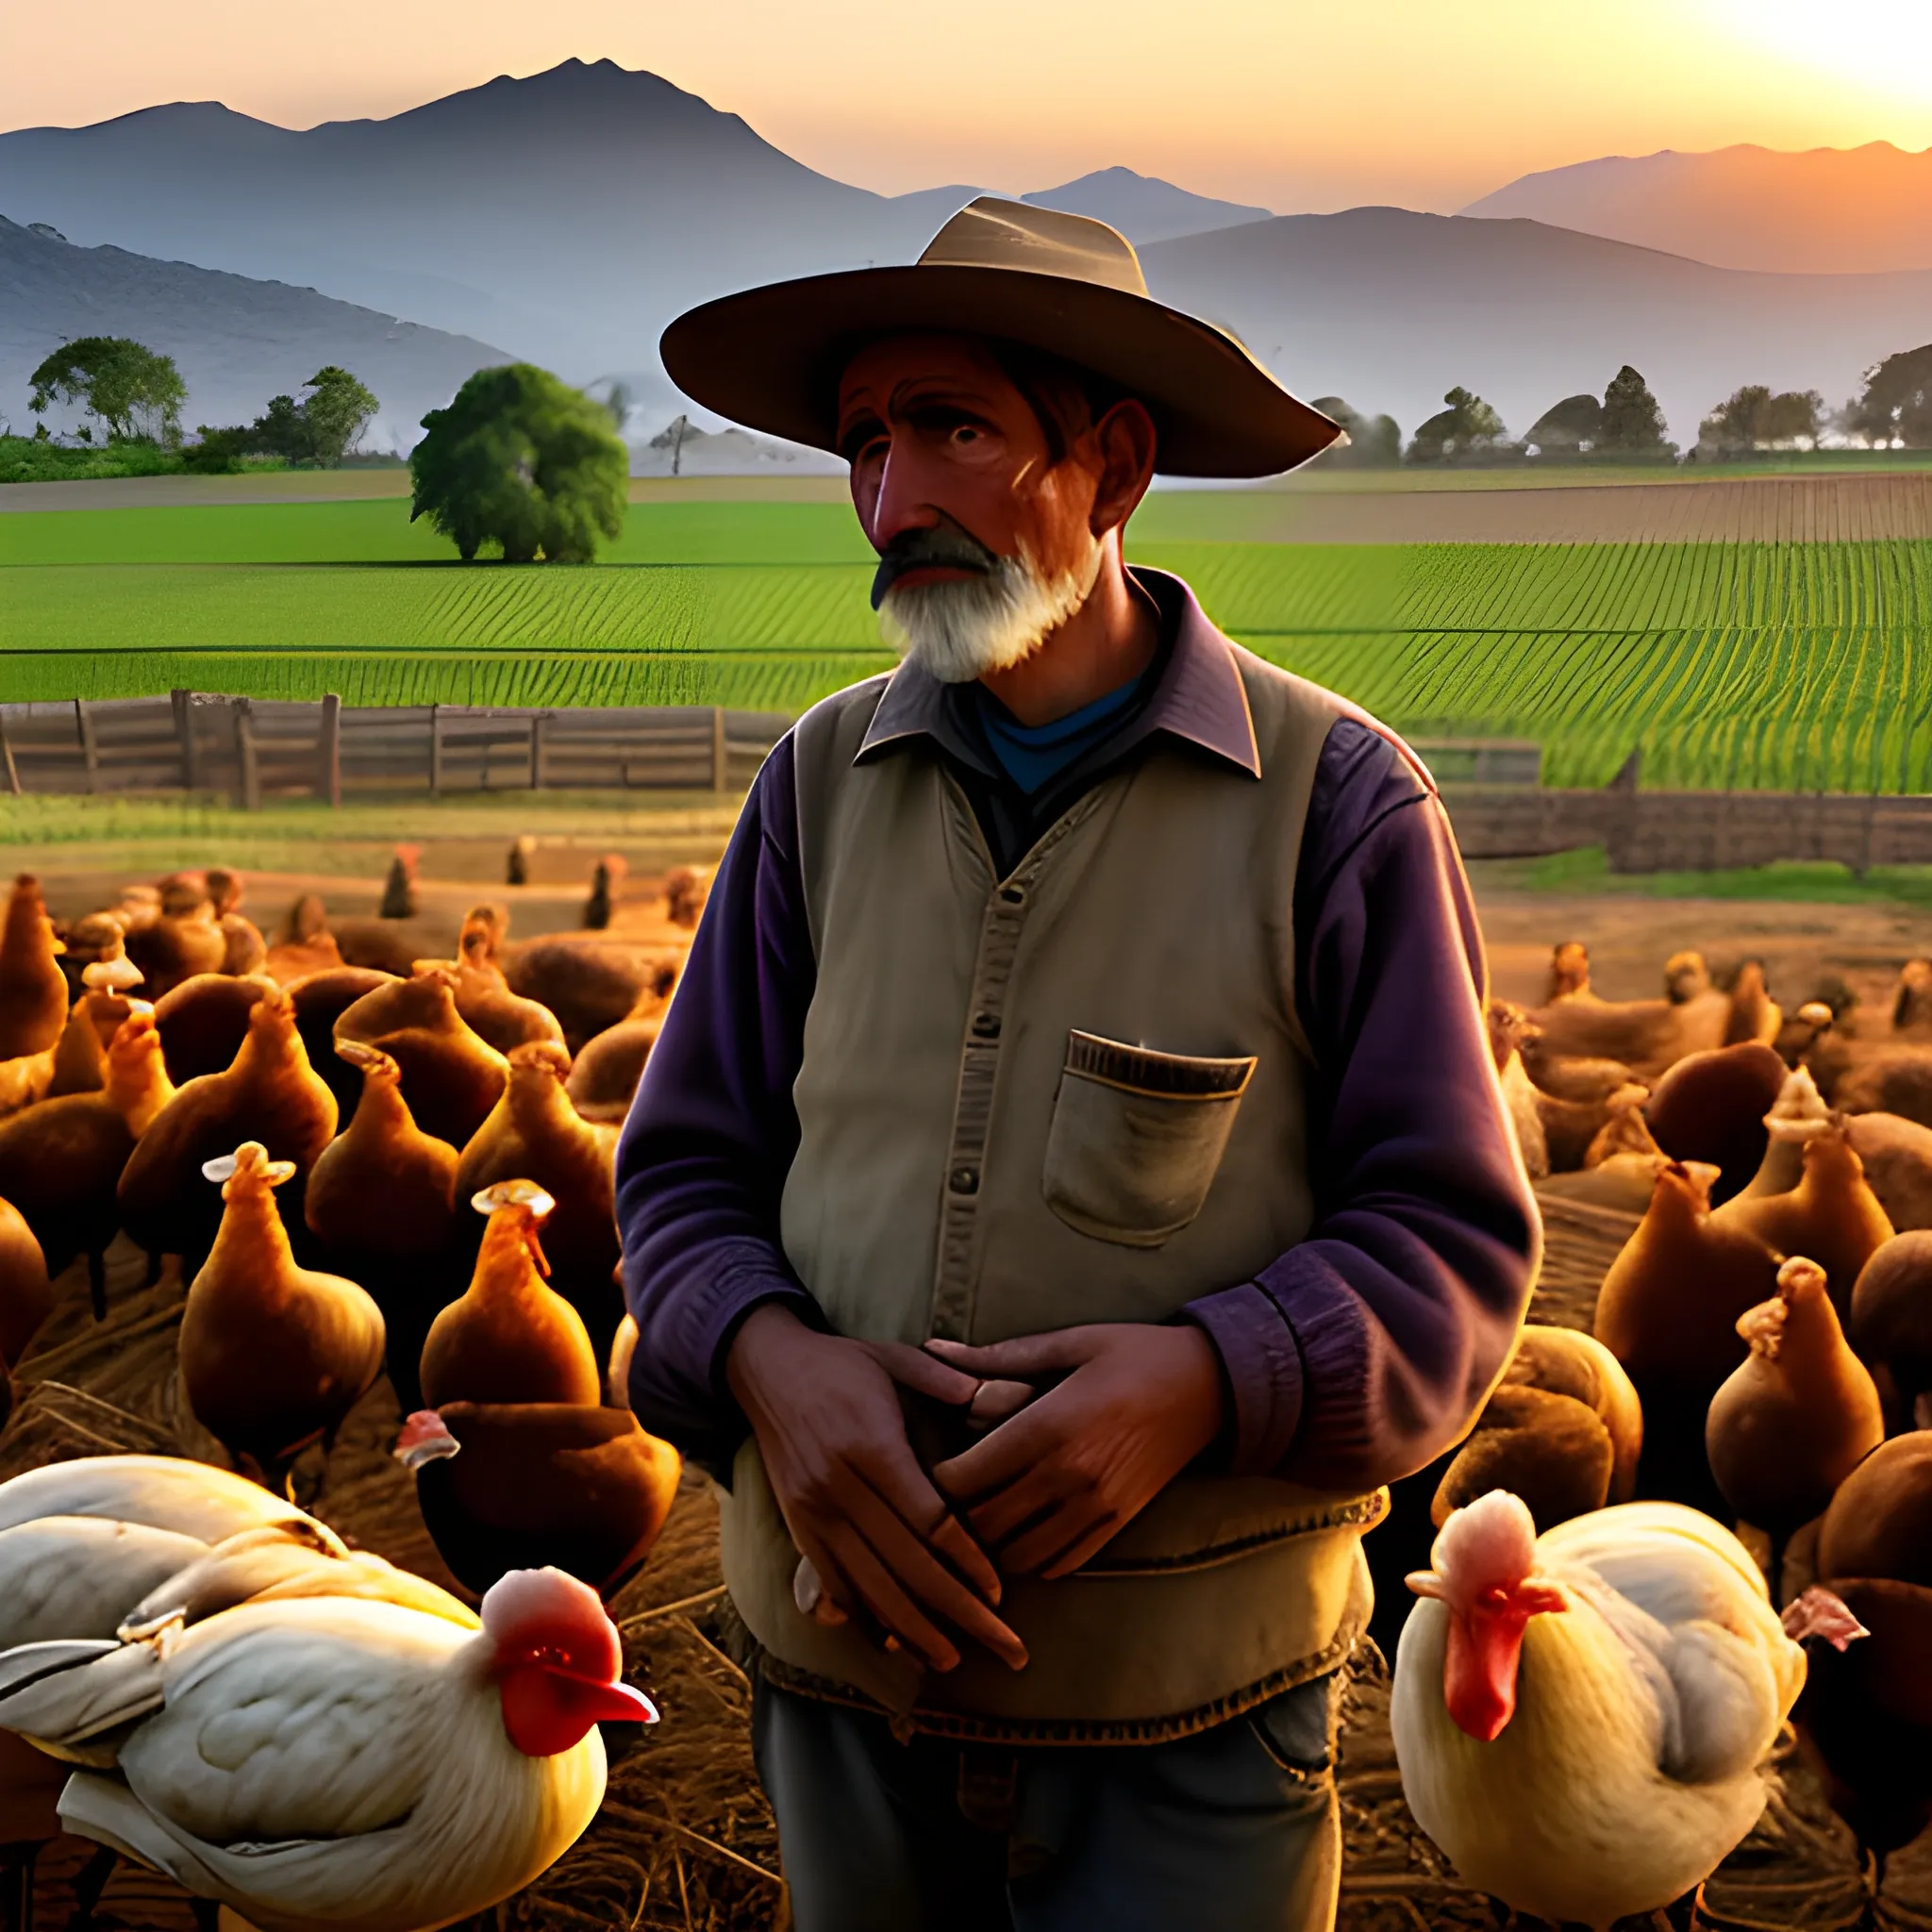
[720,751]
[183,704]
[436,751]
[251,762]
[331,748]
[7,752]
[89,751]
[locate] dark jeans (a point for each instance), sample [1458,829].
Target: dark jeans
[1232,1831]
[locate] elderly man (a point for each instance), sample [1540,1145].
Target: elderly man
[1072,1179]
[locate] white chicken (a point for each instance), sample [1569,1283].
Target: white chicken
[330,1761]
[1580,1719]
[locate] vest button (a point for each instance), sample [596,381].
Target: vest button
[964,1180]
[986,1026]
[1013,895]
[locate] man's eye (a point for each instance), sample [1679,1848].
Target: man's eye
[965,434]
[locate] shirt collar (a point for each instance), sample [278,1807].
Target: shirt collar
[1200,698]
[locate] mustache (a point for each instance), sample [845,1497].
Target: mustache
[945,546]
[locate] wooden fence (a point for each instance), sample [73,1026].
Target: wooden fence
[252,749]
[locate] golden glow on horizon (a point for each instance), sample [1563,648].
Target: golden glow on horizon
[1291,104]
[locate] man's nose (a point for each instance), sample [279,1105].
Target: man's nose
[905,499]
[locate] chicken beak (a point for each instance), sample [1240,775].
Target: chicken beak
[1426,1583]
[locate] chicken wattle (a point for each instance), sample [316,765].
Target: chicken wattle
[1579,1718]
[340,1762]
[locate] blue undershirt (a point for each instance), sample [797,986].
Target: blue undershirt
[1034,755]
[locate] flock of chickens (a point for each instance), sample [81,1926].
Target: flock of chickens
[1597,1667]
[368,1163]
[362,1167]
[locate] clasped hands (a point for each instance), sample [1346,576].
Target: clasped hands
[1083,1429]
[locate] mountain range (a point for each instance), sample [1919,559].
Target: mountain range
[565,218]
[1825,211]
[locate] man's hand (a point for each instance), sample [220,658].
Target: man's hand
[858,1506]
[1052,1484]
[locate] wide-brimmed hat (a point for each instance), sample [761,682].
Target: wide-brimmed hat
[770,357]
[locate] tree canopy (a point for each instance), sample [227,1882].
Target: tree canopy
[1631,419]
[1896,406]
[1576,423]
[1468,425]
[1754,417]
[523,460]
[335,411]
[130,387]
[1373,442]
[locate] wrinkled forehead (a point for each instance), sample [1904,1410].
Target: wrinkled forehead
[878,369]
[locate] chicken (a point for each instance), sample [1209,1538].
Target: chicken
[1911,1005]
[1895,1079]
[1710,1106]
[686,887]
[399,889]
[1832,1215]
[1797,1415]
[1892,1324]
[483,997]
[382,1203]
[589,984]
[185,940]
[1621,1164]
[522,1486]
[33,990]
[1753,1014]
[26,1296]
[61,1162]
[603,1075]
[204,1020]
[271,1094]
[303,944]
[510,1339]
[451,1076]
[1867,1711]
[75,1062]
[535,1133]
[339,1761]
[272,1355]
[1645,1036]
[1668,1310]
[1579,1718]
[1563,1430]
[605,882]
[321,1000]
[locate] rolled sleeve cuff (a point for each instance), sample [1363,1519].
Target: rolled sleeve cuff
[1262,1365]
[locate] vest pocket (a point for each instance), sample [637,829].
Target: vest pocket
[1137,1138]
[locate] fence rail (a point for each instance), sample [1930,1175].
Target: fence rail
[255,749]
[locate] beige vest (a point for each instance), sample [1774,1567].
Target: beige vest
[1074,1095]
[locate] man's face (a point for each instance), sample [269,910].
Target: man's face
[986,543]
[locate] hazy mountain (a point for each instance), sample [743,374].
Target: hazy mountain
[236,342]
[1831,210]
[1389,308]
[1142,207]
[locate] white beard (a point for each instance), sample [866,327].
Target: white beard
[962,630]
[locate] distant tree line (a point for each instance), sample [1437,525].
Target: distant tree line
[1625,425]
[319,429]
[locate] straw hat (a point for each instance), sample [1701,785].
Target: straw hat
[770,357]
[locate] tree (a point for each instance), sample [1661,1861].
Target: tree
[1574,423]
[1751,418]
[673,436]
[1466,427]
[131,388]
[1373,442]
[280,431]
[523,460]
[335,411]
[1896,407]
[1632,420]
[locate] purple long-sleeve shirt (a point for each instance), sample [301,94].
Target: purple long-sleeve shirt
[1353,1358]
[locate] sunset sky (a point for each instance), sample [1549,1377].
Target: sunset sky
[1296,106]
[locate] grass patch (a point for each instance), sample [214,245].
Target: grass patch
[1821,882]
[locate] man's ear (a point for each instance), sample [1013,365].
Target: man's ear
[1124,437]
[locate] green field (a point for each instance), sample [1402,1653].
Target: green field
[1777,665]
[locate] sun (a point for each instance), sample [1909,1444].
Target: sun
[1887,44]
